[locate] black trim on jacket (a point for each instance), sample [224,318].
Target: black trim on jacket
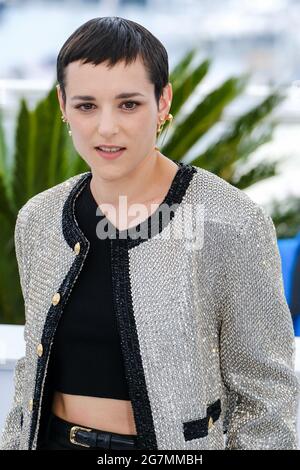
[146,438]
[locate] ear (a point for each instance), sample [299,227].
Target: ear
[166,100]
[60,99]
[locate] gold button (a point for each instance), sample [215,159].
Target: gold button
[77,248]
[39,349]
[210,422]
[56,298]
[30,405]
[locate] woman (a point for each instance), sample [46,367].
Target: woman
[155,313]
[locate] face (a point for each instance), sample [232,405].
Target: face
[105,118]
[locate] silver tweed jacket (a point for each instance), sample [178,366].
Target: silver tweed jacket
[204,326]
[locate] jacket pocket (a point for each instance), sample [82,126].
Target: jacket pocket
[200,427]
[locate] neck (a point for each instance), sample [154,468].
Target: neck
[138,185]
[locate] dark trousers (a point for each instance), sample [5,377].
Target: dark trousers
[57,437]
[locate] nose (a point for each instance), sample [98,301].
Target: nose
[107,125]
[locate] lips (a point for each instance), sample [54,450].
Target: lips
[116,146]
[110,155]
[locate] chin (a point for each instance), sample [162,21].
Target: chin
[107,172]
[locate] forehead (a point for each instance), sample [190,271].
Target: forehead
[90,78]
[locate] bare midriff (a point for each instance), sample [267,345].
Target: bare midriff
[106,414]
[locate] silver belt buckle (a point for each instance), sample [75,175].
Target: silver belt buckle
[73,431]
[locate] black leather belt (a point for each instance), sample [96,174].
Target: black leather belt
[88,437]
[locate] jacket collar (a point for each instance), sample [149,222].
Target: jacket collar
[152,226]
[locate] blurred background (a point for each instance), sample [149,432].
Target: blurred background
[235,71]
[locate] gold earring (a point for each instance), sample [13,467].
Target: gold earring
[170,118]
[68,125]
[159,129]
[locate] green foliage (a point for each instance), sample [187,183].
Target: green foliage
[43,157]
[286,216]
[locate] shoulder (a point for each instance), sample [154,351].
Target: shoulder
[52,199]
[225,204]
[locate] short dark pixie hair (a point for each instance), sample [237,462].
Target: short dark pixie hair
[115,39]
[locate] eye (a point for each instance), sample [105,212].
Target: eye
[88,106]
[84,104]
[131,102]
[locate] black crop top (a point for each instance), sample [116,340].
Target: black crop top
[86,357]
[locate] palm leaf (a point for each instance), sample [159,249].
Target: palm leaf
[203,117]
[255,175]
[187,85]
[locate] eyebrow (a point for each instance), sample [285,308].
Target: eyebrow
[120,96]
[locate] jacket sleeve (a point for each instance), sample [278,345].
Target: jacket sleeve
[257,344]
[10,438]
